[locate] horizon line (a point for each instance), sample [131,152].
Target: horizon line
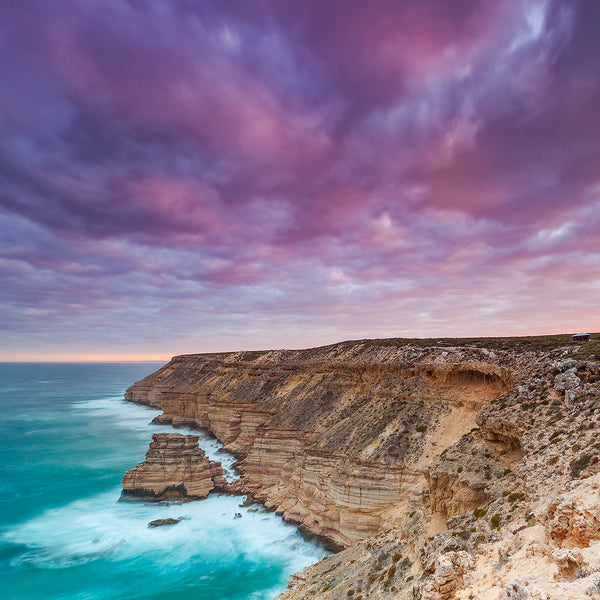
[108,358]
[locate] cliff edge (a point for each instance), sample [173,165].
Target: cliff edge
[431,463]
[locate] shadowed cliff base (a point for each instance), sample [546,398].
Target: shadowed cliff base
[412,445]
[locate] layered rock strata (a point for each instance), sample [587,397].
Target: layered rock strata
[339,497]
[445,470]
[175,469]
[330,437]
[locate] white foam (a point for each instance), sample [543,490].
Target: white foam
[100,527]
[209,544]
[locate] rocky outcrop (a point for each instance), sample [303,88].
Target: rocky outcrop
[573,519]
[443,470]
[464,477]
[473,380]
[447,576]
[501,428]
[175,469]
[452,495]
[568,382]
[163,522]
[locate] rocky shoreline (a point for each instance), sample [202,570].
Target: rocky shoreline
[431,457]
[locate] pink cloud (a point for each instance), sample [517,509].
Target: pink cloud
[298,170]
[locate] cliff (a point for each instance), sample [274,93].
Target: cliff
[424,459]
[175,469]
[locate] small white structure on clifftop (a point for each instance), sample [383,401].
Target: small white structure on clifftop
[580,337]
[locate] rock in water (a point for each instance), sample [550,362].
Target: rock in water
[175,469]
[161,522]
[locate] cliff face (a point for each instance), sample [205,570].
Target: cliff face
[427,462]
[175,469]
[332,438]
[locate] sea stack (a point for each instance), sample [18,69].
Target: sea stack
[175,468]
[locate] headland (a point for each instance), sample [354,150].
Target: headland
[439,469]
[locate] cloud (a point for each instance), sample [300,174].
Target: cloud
[205,174]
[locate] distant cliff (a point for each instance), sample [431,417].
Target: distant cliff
[417,453]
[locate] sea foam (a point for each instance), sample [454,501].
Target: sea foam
[101,527]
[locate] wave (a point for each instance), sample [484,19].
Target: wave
[99,527]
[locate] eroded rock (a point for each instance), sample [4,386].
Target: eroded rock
[447,577]
[515,590]
[573,519]
[175,468]
[375,446]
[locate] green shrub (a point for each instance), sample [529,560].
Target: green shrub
[578,465]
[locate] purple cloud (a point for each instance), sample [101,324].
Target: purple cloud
[183,176]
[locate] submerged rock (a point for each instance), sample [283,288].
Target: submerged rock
[161,522]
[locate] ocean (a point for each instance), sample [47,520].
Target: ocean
[67,436]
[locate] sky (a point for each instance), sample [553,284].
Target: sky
[185,176]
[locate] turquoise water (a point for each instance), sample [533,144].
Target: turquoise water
[67,437]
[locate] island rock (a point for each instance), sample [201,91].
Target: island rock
[175,468]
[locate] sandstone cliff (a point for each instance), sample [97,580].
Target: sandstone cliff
[436,464]
[175,469]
